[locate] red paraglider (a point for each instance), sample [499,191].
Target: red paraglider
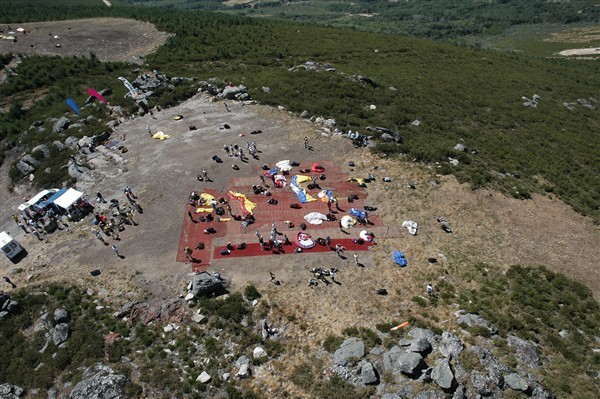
[94,93]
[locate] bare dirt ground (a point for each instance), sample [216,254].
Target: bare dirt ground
[111,39]
[488,227]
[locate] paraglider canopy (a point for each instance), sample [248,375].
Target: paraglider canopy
[315,218]
[399,259]
[347,222]
[304,240]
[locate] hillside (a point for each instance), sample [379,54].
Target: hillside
[513,312]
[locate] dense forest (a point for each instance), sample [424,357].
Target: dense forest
[459,95]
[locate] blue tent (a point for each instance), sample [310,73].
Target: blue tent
[53,198]
[400,259]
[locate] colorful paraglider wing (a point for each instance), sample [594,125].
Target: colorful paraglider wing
[131,89]
[347,222]
[72,104]
[358,213]
[303,196]
[94,93]
[247,205]
[399,259]
[304,240]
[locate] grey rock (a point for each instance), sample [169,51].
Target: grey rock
[230,92]
[429,395]
[304,114]
[43,148]
[125,309]
[203,378]
[244,371]
[75,126]
[52,393]
[71,142]
[61,316]
[198,318]
[350,348]
[36,124]
[241,361]
[28,159]
[541,393]
[313,66]
[4,315]
[99,382]
[60,146]
[259,353]
[473,320]
[60,333]
[406,362]
[61,124]
[205,284]
[115,109]
[24,167]
[8,391]
[330,123]
[390,396]
[564,333]
[450,345]
[482,383]
[525,351]
[376,351]
[461,147]
[442,374]
[516,382]
[459,393]
[266,90]
[367,373]
[419,345]
[11,306]
[424,333]
[364,79]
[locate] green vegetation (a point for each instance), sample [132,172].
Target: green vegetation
[457,94]
[25,364]
[536,304]
[468,22]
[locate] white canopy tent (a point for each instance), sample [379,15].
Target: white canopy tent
[68,198]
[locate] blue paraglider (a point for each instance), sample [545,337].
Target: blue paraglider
[399,259]
[73,105]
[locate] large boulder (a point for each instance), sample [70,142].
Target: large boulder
[259,353]
[419,345]
[410,363]
[442,374]
[60,334]
[99,382]
[43,148]
[516,382]
[61,316]
[232,92]
[61,124]
[244,371]
[350,348]
[450,345]
[473,320]
[482,384]
[206,283]
[203,378]
[8,391]
[368,374]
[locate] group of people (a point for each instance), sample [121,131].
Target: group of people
[320,274]
[118,216]
[235,151]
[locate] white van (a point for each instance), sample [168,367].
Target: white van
[10,246]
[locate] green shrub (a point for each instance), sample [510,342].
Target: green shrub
[332,343]
[251,293]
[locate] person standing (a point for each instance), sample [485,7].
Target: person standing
[13,285]
[99,237]
[355,258]
[100,198]
[429,289]
[115,249]
[188,254]
[328,240]
[205,175]
[16,219]
[149,130]
[306,142]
